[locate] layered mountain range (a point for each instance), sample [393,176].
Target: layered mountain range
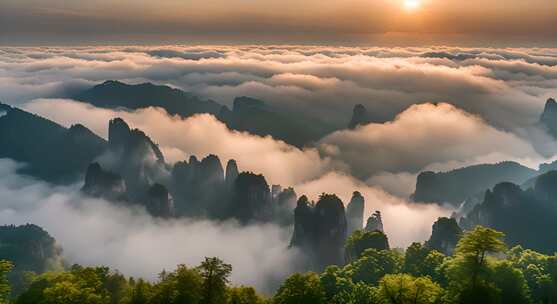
[130,169]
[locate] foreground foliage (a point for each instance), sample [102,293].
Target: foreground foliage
[481,270]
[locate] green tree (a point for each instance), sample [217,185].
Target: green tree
[373,265]
[184,285]
[406,289]
[243,295]
[361,240]
[301,288]
[334,282]
[215,274]
[5,289]
[540,273]
[476,245]
[359,294]
[139,293]
[511,283]
[469,274]
[420,260]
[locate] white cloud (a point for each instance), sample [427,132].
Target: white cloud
[421,136]
[94,232]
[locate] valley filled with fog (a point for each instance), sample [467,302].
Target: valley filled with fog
[142,158]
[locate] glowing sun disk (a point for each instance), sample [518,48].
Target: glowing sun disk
[412,4]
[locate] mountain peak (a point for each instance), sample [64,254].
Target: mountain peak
[359,116]
[549,117]
[244,102]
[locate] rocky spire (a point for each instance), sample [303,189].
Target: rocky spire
[118,133]
[103,184]
[355,212]
[359,116]
[549,117]
[330,230]
[445,235]
[231,173]
[159,202]
[375,222]
[252,198]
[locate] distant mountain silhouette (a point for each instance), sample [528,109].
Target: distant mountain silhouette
[549,117]
[456,186]
[525,216]
[248,114]
[31,249]
[51,152]
[115,94]
[320,230]
[360,117]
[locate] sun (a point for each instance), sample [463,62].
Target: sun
[412,5]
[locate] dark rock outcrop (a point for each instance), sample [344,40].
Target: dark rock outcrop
[199,188]
[159,202]
[456,186]
[445,234]
[135,157]
[284,203]
[355,212]
[248,114]
[252,198]
[549,117]
[321,230]
[114,94]
[232,173]
[104,184]
[523,215]
[359,117]
[375,222]
[51,152]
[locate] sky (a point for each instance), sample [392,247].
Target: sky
[339,22]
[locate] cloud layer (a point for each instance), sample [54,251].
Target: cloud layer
[506,87]
[421,136]
[94,232]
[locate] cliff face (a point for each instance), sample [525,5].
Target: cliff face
[444,236]
[52,152]
[523,215]
[252,198]
[103,184]
[355,213]
[159,201]
[360,117]
[321,230]
[199,187]
[375,222]
[549,117]
[456,186]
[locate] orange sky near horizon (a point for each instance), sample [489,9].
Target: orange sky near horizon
[245,18]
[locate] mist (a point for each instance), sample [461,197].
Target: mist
[95,232]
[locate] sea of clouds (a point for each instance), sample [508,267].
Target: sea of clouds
[433,109]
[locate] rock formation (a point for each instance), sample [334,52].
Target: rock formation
[321,231]
[456,186]
[159,202]
[104,184]
[360,116]
[51,152]
[444,236]
[549,117]
[355,213]
[375,222]
[252,198]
